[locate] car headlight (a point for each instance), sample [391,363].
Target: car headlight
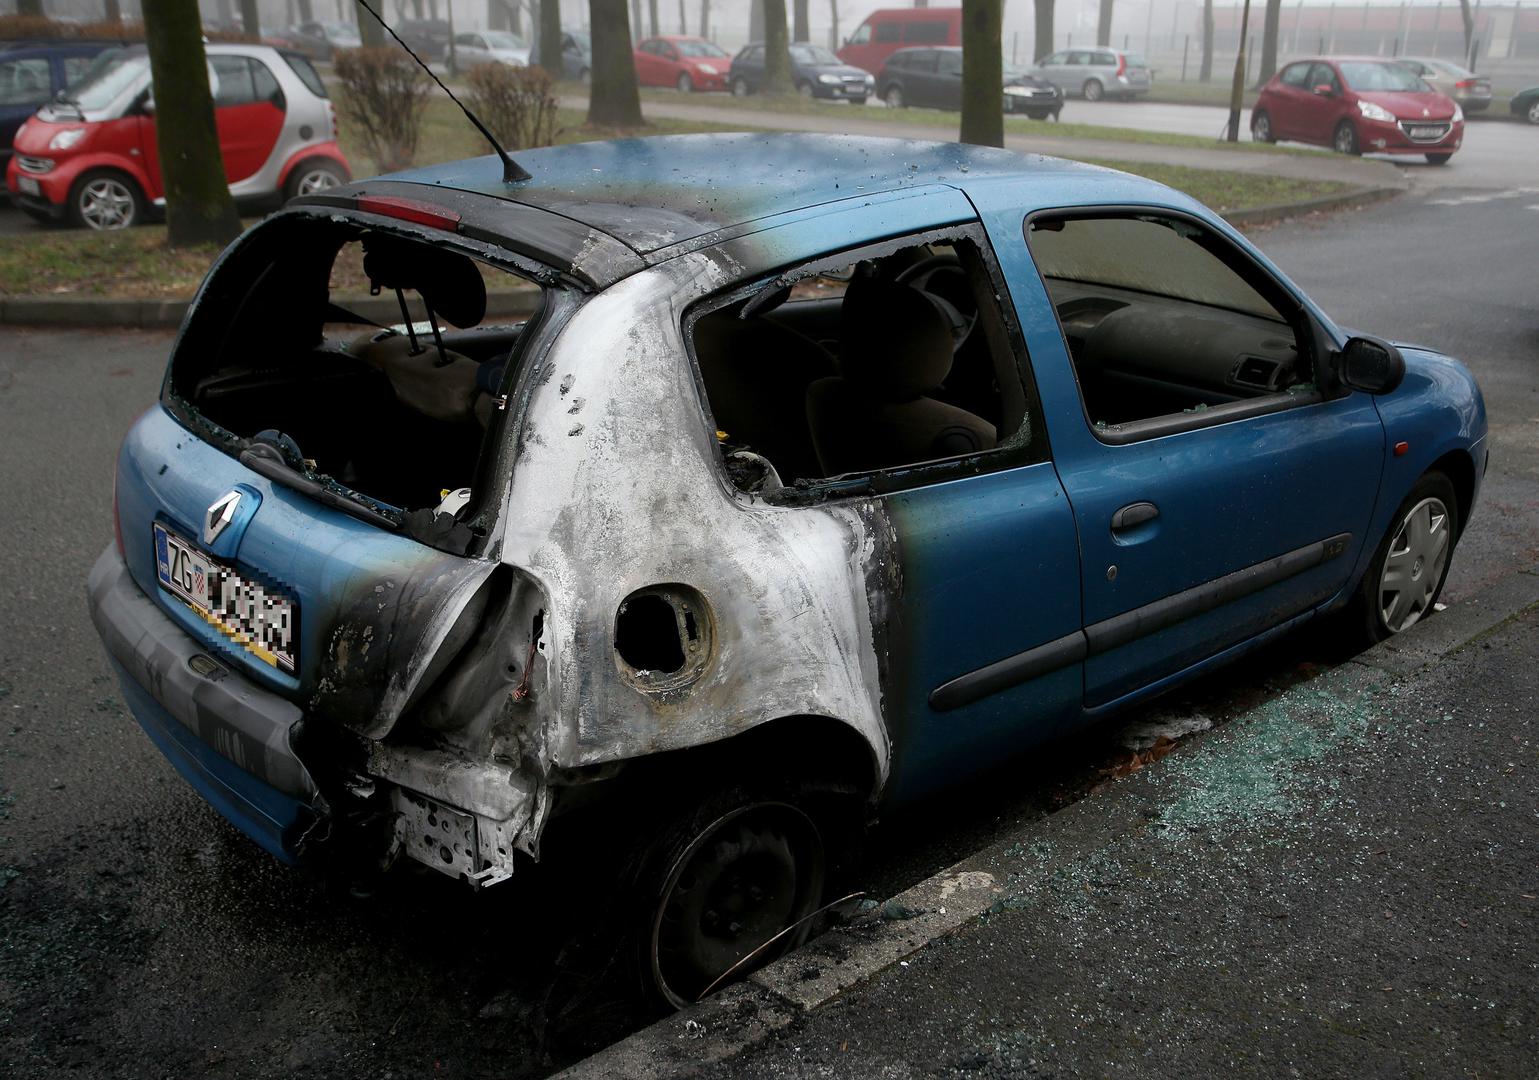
[67,138]
[708,69]
[870,80]
[1017,91]
[1375,112]
[1458,113]
[828,80]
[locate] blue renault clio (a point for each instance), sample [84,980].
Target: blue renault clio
[815,476]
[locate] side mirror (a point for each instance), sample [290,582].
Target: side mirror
[1370,365]
[1324,90]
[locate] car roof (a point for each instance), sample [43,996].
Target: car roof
[658,192]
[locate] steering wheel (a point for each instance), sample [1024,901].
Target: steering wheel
[959,307]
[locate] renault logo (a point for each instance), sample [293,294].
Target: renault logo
[219,516]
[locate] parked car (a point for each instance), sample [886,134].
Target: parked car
[91,157]
[1471,91]
[576,56]
[1097,73]
[815,72]
[688,63]
[881,464]
[1525,103]
[489,47]
[887,30]
[32,73]
[932,78]
[317,40]
[1357,105]
[428,38]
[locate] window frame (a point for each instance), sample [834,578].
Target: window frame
[1307,331]
[1028,445]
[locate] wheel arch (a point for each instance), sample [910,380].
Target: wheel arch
[326,151]
[1459,467]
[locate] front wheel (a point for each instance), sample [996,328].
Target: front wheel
[728,887]
[686,84]
[1407,573]
[1438,159]
[1533,112]
[1038,114]
[1094,91]
[1344,141]
[106,201]
[740,88]
[804,88]
[1261,127]
[894,97]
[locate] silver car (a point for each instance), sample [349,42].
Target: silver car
[1098,73]
[1471,91]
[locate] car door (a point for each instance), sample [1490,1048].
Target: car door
[1219,495]
[750,67]
[919,78]
[1289,98]
[249,110]
[948,77]
[1318,117]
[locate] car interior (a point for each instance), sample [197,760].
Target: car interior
[878,364]
[1157,323]
[394,413]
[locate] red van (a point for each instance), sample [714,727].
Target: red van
[889,29]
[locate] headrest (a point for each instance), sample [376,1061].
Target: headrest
[894,343]
[449,282]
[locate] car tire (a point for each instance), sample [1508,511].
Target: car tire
[1261,127]
[106,200]
[740,88]
[1532,114]
[686,84]
[1438,159]
[1414,554]
[1344,139]
[1093,90]
[894,97]
[1038,114]
[313,175]
[717,883]
[857,101]
[804,88]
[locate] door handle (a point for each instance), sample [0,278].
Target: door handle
[1133,515]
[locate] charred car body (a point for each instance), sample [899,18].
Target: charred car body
[815,483]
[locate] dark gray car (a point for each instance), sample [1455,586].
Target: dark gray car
[815,72]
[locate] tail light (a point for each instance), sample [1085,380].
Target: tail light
[1465,84]
[1122,64]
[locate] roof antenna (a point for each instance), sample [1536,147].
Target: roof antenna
[512,171]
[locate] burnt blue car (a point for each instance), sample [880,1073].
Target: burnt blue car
[824,474]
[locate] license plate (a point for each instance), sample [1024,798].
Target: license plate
[29,186]
[254,616]
[1426,132]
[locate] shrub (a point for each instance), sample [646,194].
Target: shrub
[515,102]
[384,93]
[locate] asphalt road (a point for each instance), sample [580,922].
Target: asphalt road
[141,936]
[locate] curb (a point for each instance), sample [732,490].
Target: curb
[97,312]
[690,1042]
[1261,215]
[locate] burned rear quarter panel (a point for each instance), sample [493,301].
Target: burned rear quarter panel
[616,487]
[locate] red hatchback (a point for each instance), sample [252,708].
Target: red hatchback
[1358,105]
[689,63]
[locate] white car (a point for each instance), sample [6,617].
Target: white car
[488,47]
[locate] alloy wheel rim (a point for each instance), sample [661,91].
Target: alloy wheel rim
[106,205]
[1414,565]
[316,180]
[1262,127]
[1533,113]
[1344,140]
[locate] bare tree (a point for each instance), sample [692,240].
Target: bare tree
[683,18]
[369,30]
[799,31]
[833,30]
[1103,24]
[550,37]
[199,209]
[1469,32]
[652,17]
[250,20]
[705,18]
[1206,74]
[635,18]
[113,11]
[614,100]
[1268,65]
[1043,43]
[30,7]
[983,114]
[777,52]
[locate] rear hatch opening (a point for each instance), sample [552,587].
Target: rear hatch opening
[365,363]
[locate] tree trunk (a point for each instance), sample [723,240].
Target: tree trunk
[777,53]
[1469,31]
[1103,24]
[613,100]
[369,30]
[983,113]
[30,7]
[683,18]
[1206,74]
[833,30]
[1043,38]
[799,31]
[635,19]
[1269,31]
[250,20]
[652,17]
[199,209]
[550,38]
[756,20]
[306,13]
[416,9]
[515,16]
[705,18]
[496,15]
[114,11]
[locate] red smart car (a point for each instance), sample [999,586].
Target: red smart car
[1358,105]
[689,63]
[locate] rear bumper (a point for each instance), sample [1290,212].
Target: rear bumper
[229,738]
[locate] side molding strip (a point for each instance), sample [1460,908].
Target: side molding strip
[1011,671]
[1118,630]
